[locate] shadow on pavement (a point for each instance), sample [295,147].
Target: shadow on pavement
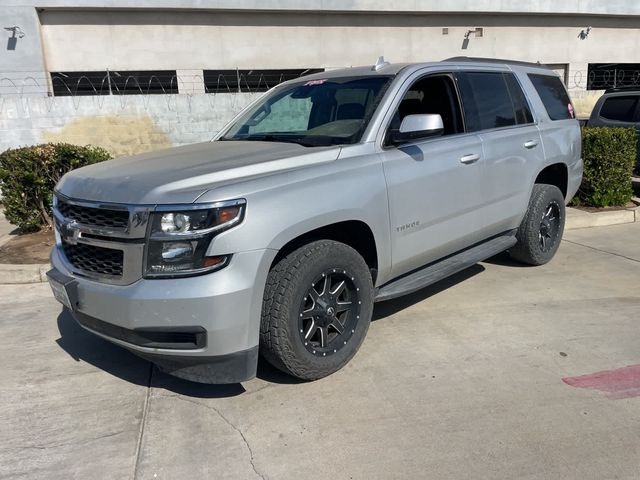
[505,260]
[82,345]
[390,307]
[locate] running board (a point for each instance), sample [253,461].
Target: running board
[435,272]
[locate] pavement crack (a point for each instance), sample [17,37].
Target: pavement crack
[143,422]
[72,444]
[264,387]
[233,426]
[600,250]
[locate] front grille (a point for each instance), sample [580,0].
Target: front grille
[95,217]
[90,258]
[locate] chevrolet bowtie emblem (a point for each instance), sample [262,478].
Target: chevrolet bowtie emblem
[70,231]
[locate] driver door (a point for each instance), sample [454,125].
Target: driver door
[435,184]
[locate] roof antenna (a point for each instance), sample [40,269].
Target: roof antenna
[381,63]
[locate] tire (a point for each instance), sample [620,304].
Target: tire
[541,229]
[298,333]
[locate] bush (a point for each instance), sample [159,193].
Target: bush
[29,174]
[609,156]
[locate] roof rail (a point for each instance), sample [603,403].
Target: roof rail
[494,60]
[630,88]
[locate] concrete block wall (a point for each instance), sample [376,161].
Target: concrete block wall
[122,124]
[22,69]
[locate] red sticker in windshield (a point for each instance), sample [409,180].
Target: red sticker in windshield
[314,82]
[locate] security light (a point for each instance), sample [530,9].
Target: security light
[16,31]
[584,33]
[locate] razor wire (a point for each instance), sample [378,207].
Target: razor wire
[603,79]
[235,90]
[97,90]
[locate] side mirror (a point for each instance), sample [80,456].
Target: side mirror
[414,127]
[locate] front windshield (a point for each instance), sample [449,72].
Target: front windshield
[333,111]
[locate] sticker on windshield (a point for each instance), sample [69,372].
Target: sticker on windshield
[314,82]
[572,113]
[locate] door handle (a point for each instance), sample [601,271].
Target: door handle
[530,144]
[471,158]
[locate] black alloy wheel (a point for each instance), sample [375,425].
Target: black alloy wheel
[329,312]
[549,227]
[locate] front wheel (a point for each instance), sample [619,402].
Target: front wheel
[541,229]
[316,311]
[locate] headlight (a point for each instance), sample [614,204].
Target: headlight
[179,238]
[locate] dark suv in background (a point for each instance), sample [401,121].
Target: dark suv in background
[618,107]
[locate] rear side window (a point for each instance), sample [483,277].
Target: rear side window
[621,109]
[486,100]
[553,96]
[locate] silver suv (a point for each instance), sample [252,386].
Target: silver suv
[327,194]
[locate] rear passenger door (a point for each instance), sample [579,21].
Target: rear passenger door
[496,108]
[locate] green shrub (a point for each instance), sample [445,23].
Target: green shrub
[609,156]
[29,174]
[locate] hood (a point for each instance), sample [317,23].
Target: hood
[182,174]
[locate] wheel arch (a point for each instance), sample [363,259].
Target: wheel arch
[555,174]
[355,233]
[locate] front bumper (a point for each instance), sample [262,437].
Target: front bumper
[201,328]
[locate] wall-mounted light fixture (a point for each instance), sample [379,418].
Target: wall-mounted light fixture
[584,33]
[477,32]
[16,33]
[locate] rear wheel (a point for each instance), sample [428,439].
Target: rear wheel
[541,229]
[317,308]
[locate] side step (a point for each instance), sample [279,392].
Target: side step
[441,269]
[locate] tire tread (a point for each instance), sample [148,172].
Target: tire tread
[526,250]
[281,282]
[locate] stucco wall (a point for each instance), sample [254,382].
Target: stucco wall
[21,60]
[63,35]
[123,125]
[90,40]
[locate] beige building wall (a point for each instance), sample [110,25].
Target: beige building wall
[76,40]
[190,41]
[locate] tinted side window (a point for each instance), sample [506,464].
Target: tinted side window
[486,100]
[434,94]
[621,109]
[520,105]
[553,96]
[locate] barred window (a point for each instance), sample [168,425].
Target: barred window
[115,82]
[148,82]
[613,75]
[228,81]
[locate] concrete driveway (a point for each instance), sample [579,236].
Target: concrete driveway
[462,380]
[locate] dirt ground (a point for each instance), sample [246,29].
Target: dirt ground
[28,248]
